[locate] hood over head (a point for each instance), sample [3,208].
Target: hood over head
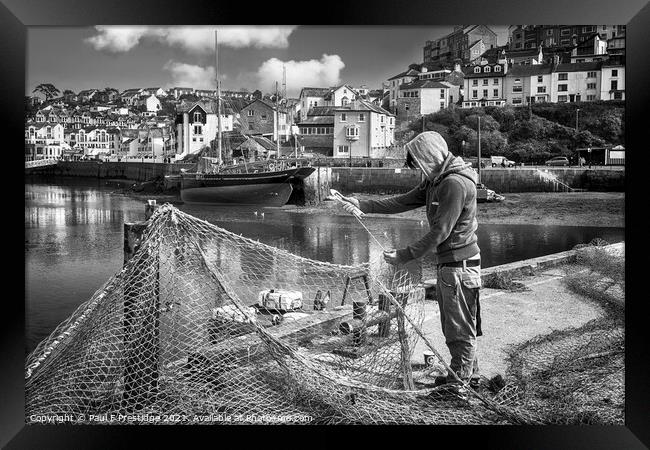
[429,152]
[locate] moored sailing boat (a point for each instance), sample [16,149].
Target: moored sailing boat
[268,183]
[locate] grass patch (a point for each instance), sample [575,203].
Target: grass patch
[505,282]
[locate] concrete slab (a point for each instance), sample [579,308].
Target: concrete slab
[510,318]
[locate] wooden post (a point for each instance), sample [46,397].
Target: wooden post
[384,305]
[359,313]
[141,322]
[407,372]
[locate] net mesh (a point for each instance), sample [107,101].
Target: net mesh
[179,336]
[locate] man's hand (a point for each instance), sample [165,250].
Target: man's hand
[390,256]
[350,204]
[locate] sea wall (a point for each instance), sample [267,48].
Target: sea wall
[385,180]
[97,169]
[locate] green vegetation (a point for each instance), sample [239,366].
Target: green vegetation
[522,134]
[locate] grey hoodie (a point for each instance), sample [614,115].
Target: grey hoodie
[449,193]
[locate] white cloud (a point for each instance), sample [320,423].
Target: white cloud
[188,75]
[197,39]
[312,73]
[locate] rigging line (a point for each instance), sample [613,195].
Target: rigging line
[371,235]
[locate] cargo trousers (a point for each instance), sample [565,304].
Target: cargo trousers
[457,292]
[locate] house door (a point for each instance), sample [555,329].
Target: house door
[572,97]
[577,97]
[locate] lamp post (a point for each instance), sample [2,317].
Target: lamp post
[577,111]
[479,148]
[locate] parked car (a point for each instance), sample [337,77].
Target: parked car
[558,161]
[501,161]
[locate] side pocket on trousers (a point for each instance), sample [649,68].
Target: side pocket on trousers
[471,280]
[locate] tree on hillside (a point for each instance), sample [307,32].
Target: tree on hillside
[257,94]
[47,89]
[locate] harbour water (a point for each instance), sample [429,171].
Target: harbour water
[74,241]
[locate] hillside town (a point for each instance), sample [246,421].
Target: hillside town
[550,64]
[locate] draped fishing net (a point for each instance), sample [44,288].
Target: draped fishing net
[190,332]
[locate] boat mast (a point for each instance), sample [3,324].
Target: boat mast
[277,125]
[216,51]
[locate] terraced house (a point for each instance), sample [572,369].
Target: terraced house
[484,84]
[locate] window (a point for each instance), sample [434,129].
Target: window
[614,85]
[618,95]
[362,117]
[495,93]
[442,105]
[496,82]
[197,117]
[565,32]
[264,116]
[487,69]
[549,32]
[562,87]
[485,93]
[352,132]
[474,93]
[516,101]
[541,89]
[475,82]
[615,72]
[517,45]
[442,93]
[197,129]
[591,97]
[591,85]
[517,88]
[540,78]
[344,117]
[251,125]
[591,74]
[250,113]
[477,69]
[485,82]
[562,76]
[382,119]
[343,149]
[561,98]
[497,68]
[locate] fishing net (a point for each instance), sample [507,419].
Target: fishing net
[189,331]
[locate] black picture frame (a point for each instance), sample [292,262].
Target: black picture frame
[17,15]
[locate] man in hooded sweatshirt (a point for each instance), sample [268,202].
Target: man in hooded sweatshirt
[449,194]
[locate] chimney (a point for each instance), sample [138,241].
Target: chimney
[556,60]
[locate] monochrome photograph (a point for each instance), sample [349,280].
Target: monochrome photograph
[325,224]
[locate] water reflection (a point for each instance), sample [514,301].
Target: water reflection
[74,243]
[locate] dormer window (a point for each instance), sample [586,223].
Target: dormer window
[497,68]
[477,69]
[487,69]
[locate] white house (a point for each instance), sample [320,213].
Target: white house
[422,97]
[484,84]
[44,140]
[310,97]
[362,129]
[612,81]
[196,125]
[576,82]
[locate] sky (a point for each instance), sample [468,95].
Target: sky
[249,57]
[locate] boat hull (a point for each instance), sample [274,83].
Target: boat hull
[270,194]
[265,188]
